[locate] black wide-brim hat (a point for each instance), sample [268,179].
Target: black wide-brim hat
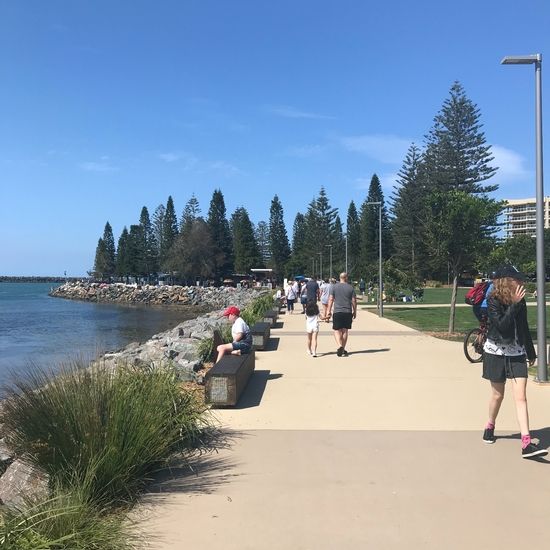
[509,271]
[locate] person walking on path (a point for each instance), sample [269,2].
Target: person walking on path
[362,287]
[343,301]
[312,327]
[312,290]
[508,348]
[291,296]
[242,337]
[325,295]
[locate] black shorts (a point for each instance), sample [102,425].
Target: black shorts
[497,368]
[341,320]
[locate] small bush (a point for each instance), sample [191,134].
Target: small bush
[64,522]
[105,430]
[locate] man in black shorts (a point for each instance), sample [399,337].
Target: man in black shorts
[343,303]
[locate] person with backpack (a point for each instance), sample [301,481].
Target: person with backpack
[507,350]
[477,298]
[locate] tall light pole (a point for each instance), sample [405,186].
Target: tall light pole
[380,283]
[330,246]
[320,265]
[536,59]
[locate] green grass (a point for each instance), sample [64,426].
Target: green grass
[101,430]
[65,522]
[436,319]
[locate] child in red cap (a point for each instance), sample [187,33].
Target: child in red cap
[240,331]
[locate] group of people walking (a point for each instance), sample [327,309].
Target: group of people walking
[338,301]
[507,351]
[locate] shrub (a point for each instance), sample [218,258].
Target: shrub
[105,430]
[64,522]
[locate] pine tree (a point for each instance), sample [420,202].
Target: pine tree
[353,233]
[409,216]
[369,224]
[245,247]
[150,257]
[110,252]
[101,261]
[122,260]
[457,156]
[338,249]
[278,239]
[221,235]
[262,238]
[169,231]
[190,213]
[136,251]
[301,259]
[158,224]
[319,229]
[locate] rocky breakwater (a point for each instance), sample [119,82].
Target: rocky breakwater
[120,293]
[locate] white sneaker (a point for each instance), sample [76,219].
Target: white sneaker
[314,354]
[309,352]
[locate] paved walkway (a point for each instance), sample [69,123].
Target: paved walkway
[379,450]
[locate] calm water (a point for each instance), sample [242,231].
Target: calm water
[35,327]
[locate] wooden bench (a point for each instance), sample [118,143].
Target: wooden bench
[260,335]
[227,379]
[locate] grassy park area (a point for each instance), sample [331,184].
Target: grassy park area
[436,319]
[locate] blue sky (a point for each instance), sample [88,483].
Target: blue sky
[108,106]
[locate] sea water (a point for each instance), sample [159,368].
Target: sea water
[36,328]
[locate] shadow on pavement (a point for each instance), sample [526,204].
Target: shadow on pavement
[200,472]
[254,391]
[542,434]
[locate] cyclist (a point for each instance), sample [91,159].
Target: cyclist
[506,351]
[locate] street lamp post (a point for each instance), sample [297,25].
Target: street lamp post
[536,59]
[330,246]
[380,283]
[320,265]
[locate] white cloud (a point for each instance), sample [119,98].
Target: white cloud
[190,163]
[97,167]
[291,112]
[388,149]
[511,166]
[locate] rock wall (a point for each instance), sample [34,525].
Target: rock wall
[120,293]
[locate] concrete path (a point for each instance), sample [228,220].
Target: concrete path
[381,449]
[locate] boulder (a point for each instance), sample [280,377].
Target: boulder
[21,483]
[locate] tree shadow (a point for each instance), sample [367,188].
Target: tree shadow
[201,471]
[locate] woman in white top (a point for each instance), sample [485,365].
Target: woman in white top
[312,327]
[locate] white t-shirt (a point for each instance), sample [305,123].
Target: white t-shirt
[239,326]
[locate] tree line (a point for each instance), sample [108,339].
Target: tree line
[439,221]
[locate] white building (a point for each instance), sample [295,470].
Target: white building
[520,217]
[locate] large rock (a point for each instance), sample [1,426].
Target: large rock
[22,482]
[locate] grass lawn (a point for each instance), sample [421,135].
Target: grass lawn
[436,319]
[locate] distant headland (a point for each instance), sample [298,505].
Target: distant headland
[26,279]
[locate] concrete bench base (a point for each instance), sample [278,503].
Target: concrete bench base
[260,335]
[270,317]
[226,380]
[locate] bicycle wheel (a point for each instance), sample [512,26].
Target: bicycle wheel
[473,347]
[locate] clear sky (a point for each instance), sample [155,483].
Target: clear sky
[110,105]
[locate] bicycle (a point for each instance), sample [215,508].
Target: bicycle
[474,341]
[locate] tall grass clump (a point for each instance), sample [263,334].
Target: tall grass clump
[65,522]
[104,430]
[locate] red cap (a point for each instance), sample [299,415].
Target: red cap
[231,310]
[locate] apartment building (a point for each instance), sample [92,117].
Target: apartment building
[520,217]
